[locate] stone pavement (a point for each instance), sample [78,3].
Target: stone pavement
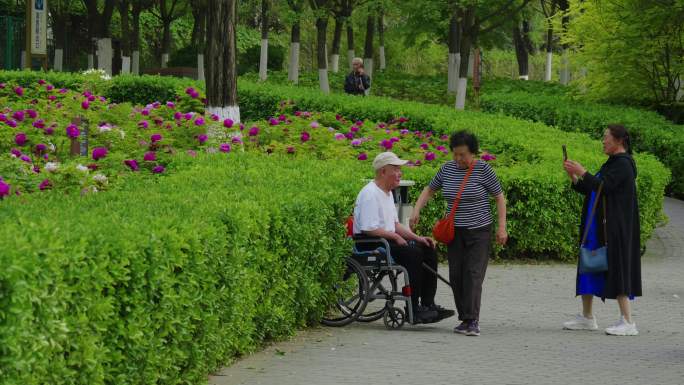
[521,343]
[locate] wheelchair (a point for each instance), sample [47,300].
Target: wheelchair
[369,289]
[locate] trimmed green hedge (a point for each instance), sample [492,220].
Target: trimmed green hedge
[163,282]
[650,131]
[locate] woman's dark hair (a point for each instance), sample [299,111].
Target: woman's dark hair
[619,132]
[461,138]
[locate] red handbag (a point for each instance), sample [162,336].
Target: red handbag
[444,228]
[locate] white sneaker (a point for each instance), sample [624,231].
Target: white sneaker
[623,328]
[581,323]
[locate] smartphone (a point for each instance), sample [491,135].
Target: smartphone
[565,153]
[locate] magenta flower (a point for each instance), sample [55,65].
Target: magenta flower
[99,153]
[254,131]
[52,98]
[143,124]
[305,137]
[44,185]
[2,85]
[224,147]
[386,144]
[158,169]
[170,105]
[145,112]
[41,82]
[273,122]
[50,87]
[72,131]
[150,156]
[192,153]
[15,152]
[155,138]
[359,123]
[356,142]
[338,117]
[354,129]
[19,91]
[188,115]
[290,150]
[444,137]
[362,156]
[178,115]
[349,135]
[314,125]
[227,123]
[31,113]
[3,118]
[40,123]
[91,98]
[85,104]
[394,139]
[298,113]
[41,148]
[190,90]
[132,164]
[236,140]
[25,158]
[199,121]
[214,117]
[340,136]
[4,189]
[242,127]
[36,169]
[50,130]
[62,90]
[282,118]
[430,156]
[202,138]
[403,120]
[18,116]
[20,139]
[12,123]
[487,157]
[424,146]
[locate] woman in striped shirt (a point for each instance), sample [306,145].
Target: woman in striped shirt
[469,252]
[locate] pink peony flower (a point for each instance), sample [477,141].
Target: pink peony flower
[132,164]
[12,123]
[305,137]
[20,139]
[15,152]
[41,148]
[145,112]
[158,169]
[228,123]
[354,129]
[41,82]
[340,136]
[236,140]
[155,138]
[19,91]
[199,121]
[171,105]
[40,123]
[25,158]
[62,90]
[424,146]
[314,125]
[85,104]
[290,150]
[356,142]
[214,117]
[188,115]
[91,98]
[150,156]
[254,131]
[50,87]
[99,153]
[224,147]
[202,138]
[386,144]
[394,139]
[44,185]
[18,116]
[72,131]
[4,189]
[487,157]
[362,156]
[178,115]
[430,156]
[32,114]
[52,98]
[143,124]
[273,122]
[50,130]
[282,118]
[3,118]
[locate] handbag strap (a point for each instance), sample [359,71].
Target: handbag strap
[457,200]
[591,216]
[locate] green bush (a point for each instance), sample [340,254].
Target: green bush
[649,131]
[165,281]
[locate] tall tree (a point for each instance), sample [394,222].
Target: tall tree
[221,52]
[60,13]
[138,7]
[342,11]
[322,10]
[381,36]
[523,48]
[99,32]
[549,8]
[564,6]
[337,38]
[167,11]
[263,60]
[454,52]
[368,48]
[124,14]
[296,8]
[199,32]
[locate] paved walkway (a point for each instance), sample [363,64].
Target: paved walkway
[521,343]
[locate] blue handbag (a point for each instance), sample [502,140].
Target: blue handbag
[594,261]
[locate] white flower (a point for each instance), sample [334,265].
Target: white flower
[123,134]
[82,168]
[51,166]
[100,178]
[52,147]
[105,127]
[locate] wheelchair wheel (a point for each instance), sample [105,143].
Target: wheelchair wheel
[350,296]
[394,318]
[382,283]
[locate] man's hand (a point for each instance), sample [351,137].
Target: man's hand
[501,236]
[427,241]
[415,218]
[360,71]
[399,240]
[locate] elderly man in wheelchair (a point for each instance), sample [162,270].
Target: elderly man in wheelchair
[376,219]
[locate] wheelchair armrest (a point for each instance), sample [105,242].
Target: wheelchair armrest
[374,240]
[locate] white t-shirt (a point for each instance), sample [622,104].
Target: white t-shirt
[374,210]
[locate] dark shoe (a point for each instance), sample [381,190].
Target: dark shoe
[462,328]
[442,312]
[423,315]
[473,329]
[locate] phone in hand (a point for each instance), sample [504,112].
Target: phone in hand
[565,153]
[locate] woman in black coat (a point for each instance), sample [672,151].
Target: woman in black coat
[622,281]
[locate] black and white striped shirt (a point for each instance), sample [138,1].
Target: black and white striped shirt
[474,210]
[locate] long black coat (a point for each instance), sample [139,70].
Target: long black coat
[618,175]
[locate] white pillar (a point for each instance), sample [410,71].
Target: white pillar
[323,80]
[125,64]
[350,55]
[200,67]
[228,112]
[135,64]
[164,60]
[335,63]
[104,55]
[59,60]
[293,73]
[368,65]
[461,93]
[383,64]
[263,60]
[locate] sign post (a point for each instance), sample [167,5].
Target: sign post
[36,32]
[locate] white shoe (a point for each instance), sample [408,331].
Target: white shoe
[581,323]
[623,328]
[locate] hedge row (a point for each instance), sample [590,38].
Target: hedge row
[650,131]
[163,282]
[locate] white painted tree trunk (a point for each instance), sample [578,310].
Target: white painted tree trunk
[461,93]
[200,67]
[104,55]
[351,55]
[59,60]
[335,63]
[565,69]
[323,80]
[165,60]
[22,60]
[680,93]
[135,64]
[524,77]
[227,112]
[293,72]
[383,64]
[368,65]
[125,64]
[454,65]
[91,61]
[549,67]
[263,60]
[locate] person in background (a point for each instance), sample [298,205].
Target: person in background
[357,82]
[622,281]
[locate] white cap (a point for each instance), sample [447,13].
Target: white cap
[387,158]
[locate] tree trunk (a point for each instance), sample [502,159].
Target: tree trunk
[337,38]
[125,37]
[368,51]
[454,54]
[469,31]
[263,60]
[322,27]
[135,38]
[564,6]
[350,43]
[199,14]
[293,70]
[549,54]
[104,44]
[221,52]
[166,42]
[59,32]
[521,53]
[381,36]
